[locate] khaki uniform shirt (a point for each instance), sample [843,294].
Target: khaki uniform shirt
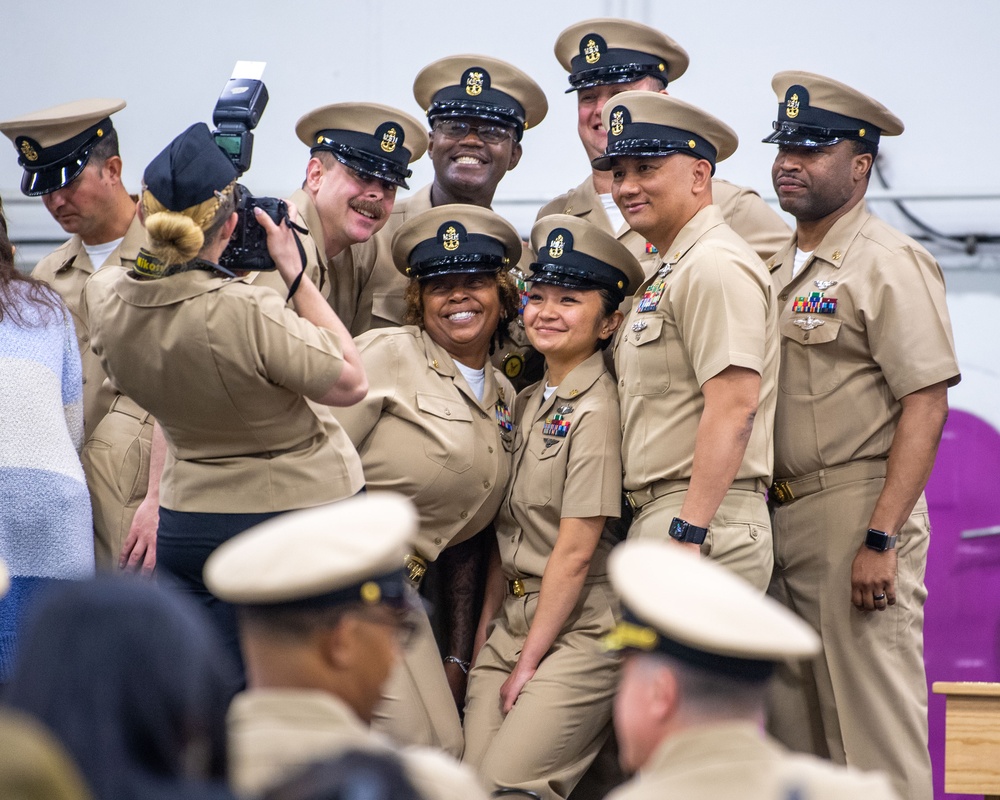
[742,209]
[366,289]
[275,732]
[567,463]
[717,309]
[226,368]
[422,432]
[67,270]
[736,760]
[863,324]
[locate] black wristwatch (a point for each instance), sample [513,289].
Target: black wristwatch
[683,531]
[879,540]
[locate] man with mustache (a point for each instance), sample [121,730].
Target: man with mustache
[605,57]
[867,357]
[71,160]
[359,154]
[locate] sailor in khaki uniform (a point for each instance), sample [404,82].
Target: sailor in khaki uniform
[700,647]
[605,57]
[323,612]
[70,158]
[540,692]
[436,426]
[697,358]
[358,157]
[218,361]
[866,358]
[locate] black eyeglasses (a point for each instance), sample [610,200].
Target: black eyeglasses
[488,133]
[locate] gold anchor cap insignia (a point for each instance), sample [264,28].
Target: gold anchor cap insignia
[591,51]
[389,140]
[474,83]
[792,106]
[556,246]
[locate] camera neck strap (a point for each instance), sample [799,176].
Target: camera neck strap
[302,256]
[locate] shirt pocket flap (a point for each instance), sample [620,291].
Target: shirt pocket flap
[443,407]
[810,330]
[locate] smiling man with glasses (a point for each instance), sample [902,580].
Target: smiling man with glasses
[478,109]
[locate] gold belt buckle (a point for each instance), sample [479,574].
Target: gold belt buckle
[517,588]
[415,568]
[631,501]
[782,492]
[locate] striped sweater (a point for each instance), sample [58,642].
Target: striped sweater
[46,529]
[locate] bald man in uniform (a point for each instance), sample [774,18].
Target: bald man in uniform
[867,357]
[323,612]
[70,158]
[697,359]
[700,647]
[605,57]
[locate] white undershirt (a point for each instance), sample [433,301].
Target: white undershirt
[800,261]
[614,213]
[549,391]
[476,378]
[98,253]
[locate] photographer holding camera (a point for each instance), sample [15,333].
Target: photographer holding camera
[226,368]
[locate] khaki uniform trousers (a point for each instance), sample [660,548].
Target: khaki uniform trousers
[561,718]
[116,461]
[417,706]
[863,701]
[739,536]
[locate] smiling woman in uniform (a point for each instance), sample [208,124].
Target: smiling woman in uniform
[540,693]
[436,427]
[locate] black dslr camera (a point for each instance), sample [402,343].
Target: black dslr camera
[236,114]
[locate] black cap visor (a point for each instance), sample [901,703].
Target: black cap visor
[37,182]
[572,276]
[352,150]
[796,134]
[613,74]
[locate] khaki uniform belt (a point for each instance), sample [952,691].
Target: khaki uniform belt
[648,494]
[127,406]
[787,490]
[519,587]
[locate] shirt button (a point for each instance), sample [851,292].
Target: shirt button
[486,484]
[447,411]
[490,448]
[482,414]
[437,540]
[783,297]
[621,382]
[806,335]
[464,515]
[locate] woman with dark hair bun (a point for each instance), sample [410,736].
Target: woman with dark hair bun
[132,681]
[46,530]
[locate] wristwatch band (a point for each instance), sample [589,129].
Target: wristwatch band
[683,531]
[879,540]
